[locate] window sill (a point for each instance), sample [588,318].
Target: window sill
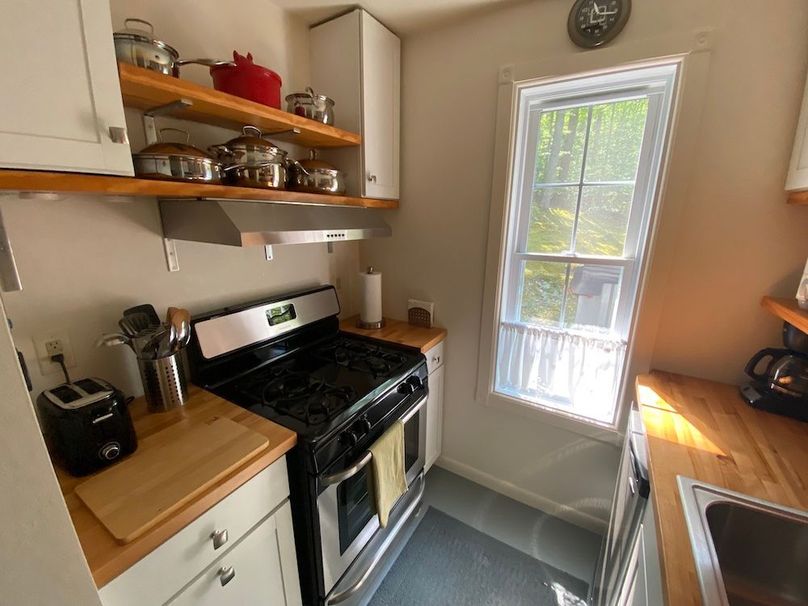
[596,431]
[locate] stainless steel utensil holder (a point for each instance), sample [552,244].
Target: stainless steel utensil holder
[164,381]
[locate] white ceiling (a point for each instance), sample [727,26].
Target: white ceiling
[402,16]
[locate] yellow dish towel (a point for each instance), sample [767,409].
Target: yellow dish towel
[388,474]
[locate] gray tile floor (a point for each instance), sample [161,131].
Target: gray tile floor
[556,542]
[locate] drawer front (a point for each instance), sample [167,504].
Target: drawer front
[167,569]
[434,357]
[254,571]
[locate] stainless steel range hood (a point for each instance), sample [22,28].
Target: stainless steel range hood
[237,223]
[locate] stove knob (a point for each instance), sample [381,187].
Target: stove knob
[405,388]
[364,425]
[350,438]
[415,381]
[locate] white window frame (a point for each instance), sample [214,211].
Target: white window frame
[505,156]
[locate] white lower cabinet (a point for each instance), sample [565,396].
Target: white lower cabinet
[434,405]
[259,570]
[645,575]
[249,531]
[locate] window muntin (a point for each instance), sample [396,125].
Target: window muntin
[587,155]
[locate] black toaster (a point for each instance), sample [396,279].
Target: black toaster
[86,425]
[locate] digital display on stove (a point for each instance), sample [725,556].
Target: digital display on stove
[281,314]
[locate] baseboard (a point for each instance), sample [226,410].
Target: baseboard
[548,506]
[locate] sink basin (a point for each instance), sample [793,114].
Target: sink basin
[748,552]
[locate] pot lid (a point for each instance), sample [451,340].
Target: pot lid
[172,148]
[252,137]
[313,163]
[142,34]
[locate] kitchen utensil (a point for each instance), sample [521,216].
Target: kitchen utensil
[138,46]
[316,176]
[311,105]
[167,343]
[181,320]
[127,327]
[248,80]
[176,162]
[114,339]
[147,309]
[173,466]
[86,425]
[164,381]
[251,161]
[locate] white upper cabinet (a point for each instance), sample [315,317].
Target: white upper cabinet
[62,107]
[798,169]
[356,61]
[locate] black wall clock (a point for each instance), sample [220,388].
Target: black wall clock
[595,22]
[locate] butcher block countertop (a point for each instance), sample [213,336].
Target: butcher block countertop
[399,332]
[107,557]
[704,430]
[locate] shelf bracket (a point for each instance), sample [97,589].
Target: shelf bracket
[268,254]
[172,260]
[9,276]
[149,128]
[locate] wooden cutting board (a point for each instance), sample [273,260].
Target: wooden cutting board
[170,468]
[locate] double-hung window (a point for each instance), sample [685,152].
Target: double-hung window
[586,157]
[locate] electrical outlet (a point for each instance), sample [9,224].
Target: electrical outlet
[50,344]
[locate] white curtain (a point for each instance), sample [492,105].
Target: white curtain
[571,370]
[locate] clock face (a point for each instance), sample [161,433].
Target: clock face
[594,22]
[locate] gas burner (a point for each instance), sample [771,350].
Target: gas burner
[300,395]
[363,357]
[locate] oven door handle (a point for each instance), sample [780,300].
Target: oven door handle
[348,472]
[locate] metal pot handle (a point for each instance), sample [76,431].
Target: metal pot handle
[206,62]
[315,99]
[129,20]
[300,166]
[249,128]
[176,130]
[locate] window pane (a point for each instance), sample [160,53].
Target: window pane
[592,296]
[543,288]
[615,138]
[560,145]
[603,220]
[552,215]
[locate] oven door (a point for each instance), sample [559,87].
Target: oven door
[346,507]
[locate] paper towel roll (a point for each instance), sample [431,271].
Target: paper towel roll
[370,299]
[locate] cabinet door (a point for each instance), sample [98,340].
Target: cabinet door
[381,75]
[434,417]
[261,569]
[798,168]
[61,92]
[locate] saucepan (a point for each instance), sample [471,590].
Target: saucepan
[311,105]
[177,162]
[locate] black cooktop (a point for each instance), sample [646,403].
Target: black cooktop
[316,389]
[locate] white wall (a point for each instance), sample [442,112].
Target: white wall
[83,260]
[738,240]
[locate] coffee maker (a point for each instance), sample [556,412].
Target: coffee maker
[780,377]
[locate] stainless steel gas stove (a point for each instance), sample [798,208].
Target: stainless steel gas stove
[285,359]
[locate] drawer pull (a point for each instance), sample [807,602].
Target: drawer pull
[226,574]
[219,538]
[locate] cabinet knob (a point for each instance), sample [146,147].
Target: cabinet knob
[371,178]
[118,134]
[219,538]
[226,574]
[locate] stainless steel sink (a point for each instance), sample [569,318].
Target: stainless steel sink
[747,551]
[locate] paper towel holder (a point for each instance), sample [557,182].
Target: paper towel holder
[370,325]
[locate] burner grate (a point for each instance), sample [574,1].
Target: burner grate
[362,357]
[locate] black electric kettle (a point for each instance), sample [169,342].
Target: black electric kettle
[785,372]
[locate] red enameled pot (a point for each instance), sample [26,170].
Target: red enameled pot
[247,80]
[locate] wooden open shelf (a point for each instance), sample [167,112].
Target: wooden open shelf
[798,197]
[145,89]
[78,183]
[788,310]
